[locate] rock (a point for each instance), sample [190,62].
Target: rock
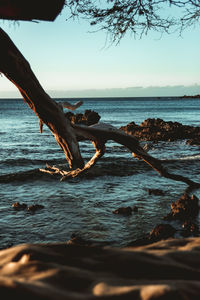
[19,206]
[162,231]
[126,211]
[135,208]
[190,227]
[155,192]
[130,128]
[194,141]
[88,118]
[34,207]
[160,130]
[185,208]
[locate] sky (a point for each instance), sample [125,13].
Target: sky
[70,61]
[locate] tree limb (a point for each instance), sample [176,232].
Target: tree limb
[15,67]
[99,134]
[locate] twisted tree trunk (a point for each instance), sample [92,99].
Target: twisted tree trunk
[15,67]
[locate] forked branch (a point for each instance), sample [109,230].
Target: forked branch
[100,133]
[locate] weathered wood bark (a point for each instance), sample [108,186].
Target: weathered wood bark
[15,67]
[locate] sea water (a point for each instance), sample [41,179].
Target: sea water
[85,205]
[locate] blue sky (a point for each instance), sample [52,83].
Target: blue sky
[68,60]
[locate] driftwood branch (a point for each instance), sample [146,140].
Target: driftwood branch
[15,67]
[100,133]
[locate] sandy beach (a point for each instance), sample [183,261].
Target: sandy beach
[164,270]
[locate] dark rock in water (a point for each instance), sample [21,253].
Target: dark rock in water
[34,207]
[126,211]
[159,130]
[194,141]
[19,206]
[76,239]
[185,208]
[88,118]
[162,231]
[189,228]
[130,128]
[135,208]
[155,192]
[22,206]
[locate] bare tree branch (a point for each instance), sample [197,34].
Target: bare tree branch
[99,134]
[15,67]
[118,17]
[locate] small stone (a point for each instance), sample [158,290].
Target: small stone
[34,207]
[19,206]
[126,211]
[162,231]
[155,192]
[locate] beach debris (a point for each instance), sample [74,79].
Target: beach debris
[156,192]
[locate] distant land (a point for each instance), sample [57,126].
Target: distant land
[193,97]
[151,91]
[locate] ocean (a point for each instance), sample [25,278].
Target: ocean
[84,206]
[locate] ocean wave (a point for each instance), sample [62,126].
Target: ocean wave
[191,157]
[28,162]
[194,157]
[107,166]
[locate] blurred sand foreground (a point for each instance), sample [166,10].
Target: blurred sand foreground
[167,269]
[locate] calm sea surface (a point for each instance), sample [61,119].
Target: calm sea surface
[84,205]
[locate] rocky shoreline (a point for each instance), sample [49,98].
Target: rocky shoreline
[149,130]
[159,130]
